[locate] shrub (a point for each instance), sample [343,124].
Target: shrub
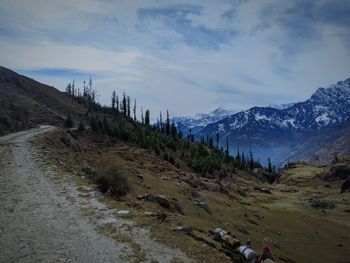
[81,127]
[68,122]
[112,179]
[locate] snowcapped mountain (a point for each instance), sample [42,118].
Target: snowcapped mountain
[197,122]
[281,106]
[268,131]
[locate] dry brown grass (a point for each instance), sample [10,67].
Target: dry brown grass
[112,178]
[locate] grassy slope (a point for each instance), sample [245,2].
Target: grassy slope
[30,103]
[305,234]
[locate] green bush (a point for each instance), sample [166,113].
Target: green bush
[68,122]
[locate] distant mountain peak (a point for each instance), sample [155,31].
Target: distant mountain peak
[340,90]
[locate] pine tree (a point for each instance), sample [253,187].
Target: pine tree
[142,118]
[128,106]
[147,117]
[238,156]
[161,122]
[227,151]
[243,158]
[69,89]
[113,100]
[124,104]
[251,160]
[173,129]
[93,124]
[68,122]
[269,167]
[134,109]
[81,127]
[167,124]
[117,103]
[211,143]
[217,139]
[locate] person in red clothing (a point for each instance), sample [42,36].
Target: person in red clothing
[266,254]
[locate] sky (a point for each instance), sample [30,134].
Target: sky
[185,56]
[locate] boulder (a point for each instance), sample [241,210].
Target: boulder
[204,206]
[263,190]
[159,215]
[159,199]
[321,204]
[345,186]
[88,169]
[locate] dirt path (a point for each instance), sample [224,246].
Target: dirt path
[46,217]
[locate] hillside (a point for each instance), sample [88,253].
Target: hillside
[24,103]
[240,203]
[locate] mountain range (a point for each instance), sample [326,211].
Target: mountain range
[288,132]
[198,121]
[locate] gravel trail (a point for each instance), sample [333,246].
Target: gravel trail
[39,223]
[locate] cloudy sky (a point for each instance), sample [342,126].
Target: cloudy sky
[187,56]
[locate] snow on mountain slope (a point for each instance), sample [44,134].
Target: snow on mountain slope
[199,121]
[270,127]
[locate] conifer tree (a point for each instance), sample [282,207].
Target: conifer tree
[173,129]
[134,109]
[167,124]
[68,122]
[142,118]
[117,103]
[113,100]
[251,160]
[124,104]
[147,117]
[161,122]
[227,151]
[81,126]
[217,139]
[238,156]
[269,166]
[128,106]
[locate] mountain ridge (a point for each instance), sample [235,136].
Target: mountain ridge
[269,127]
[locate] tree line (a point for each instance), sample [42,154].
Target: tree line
[119,120]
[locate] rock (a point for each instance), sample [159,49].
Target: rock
[88,169]
[345,186]
[66,141]
[263,190]
[160,199]
[179,208]
[285,259]
[204,206]
[242,229]
[164,178]
[274,243]
[186,230]
[289,190]
[242,191]
[322,204]
[122,212]
[340,245]
[180,184]
[159,215]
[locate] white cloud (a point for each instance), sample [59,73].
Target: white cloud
[158,67]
